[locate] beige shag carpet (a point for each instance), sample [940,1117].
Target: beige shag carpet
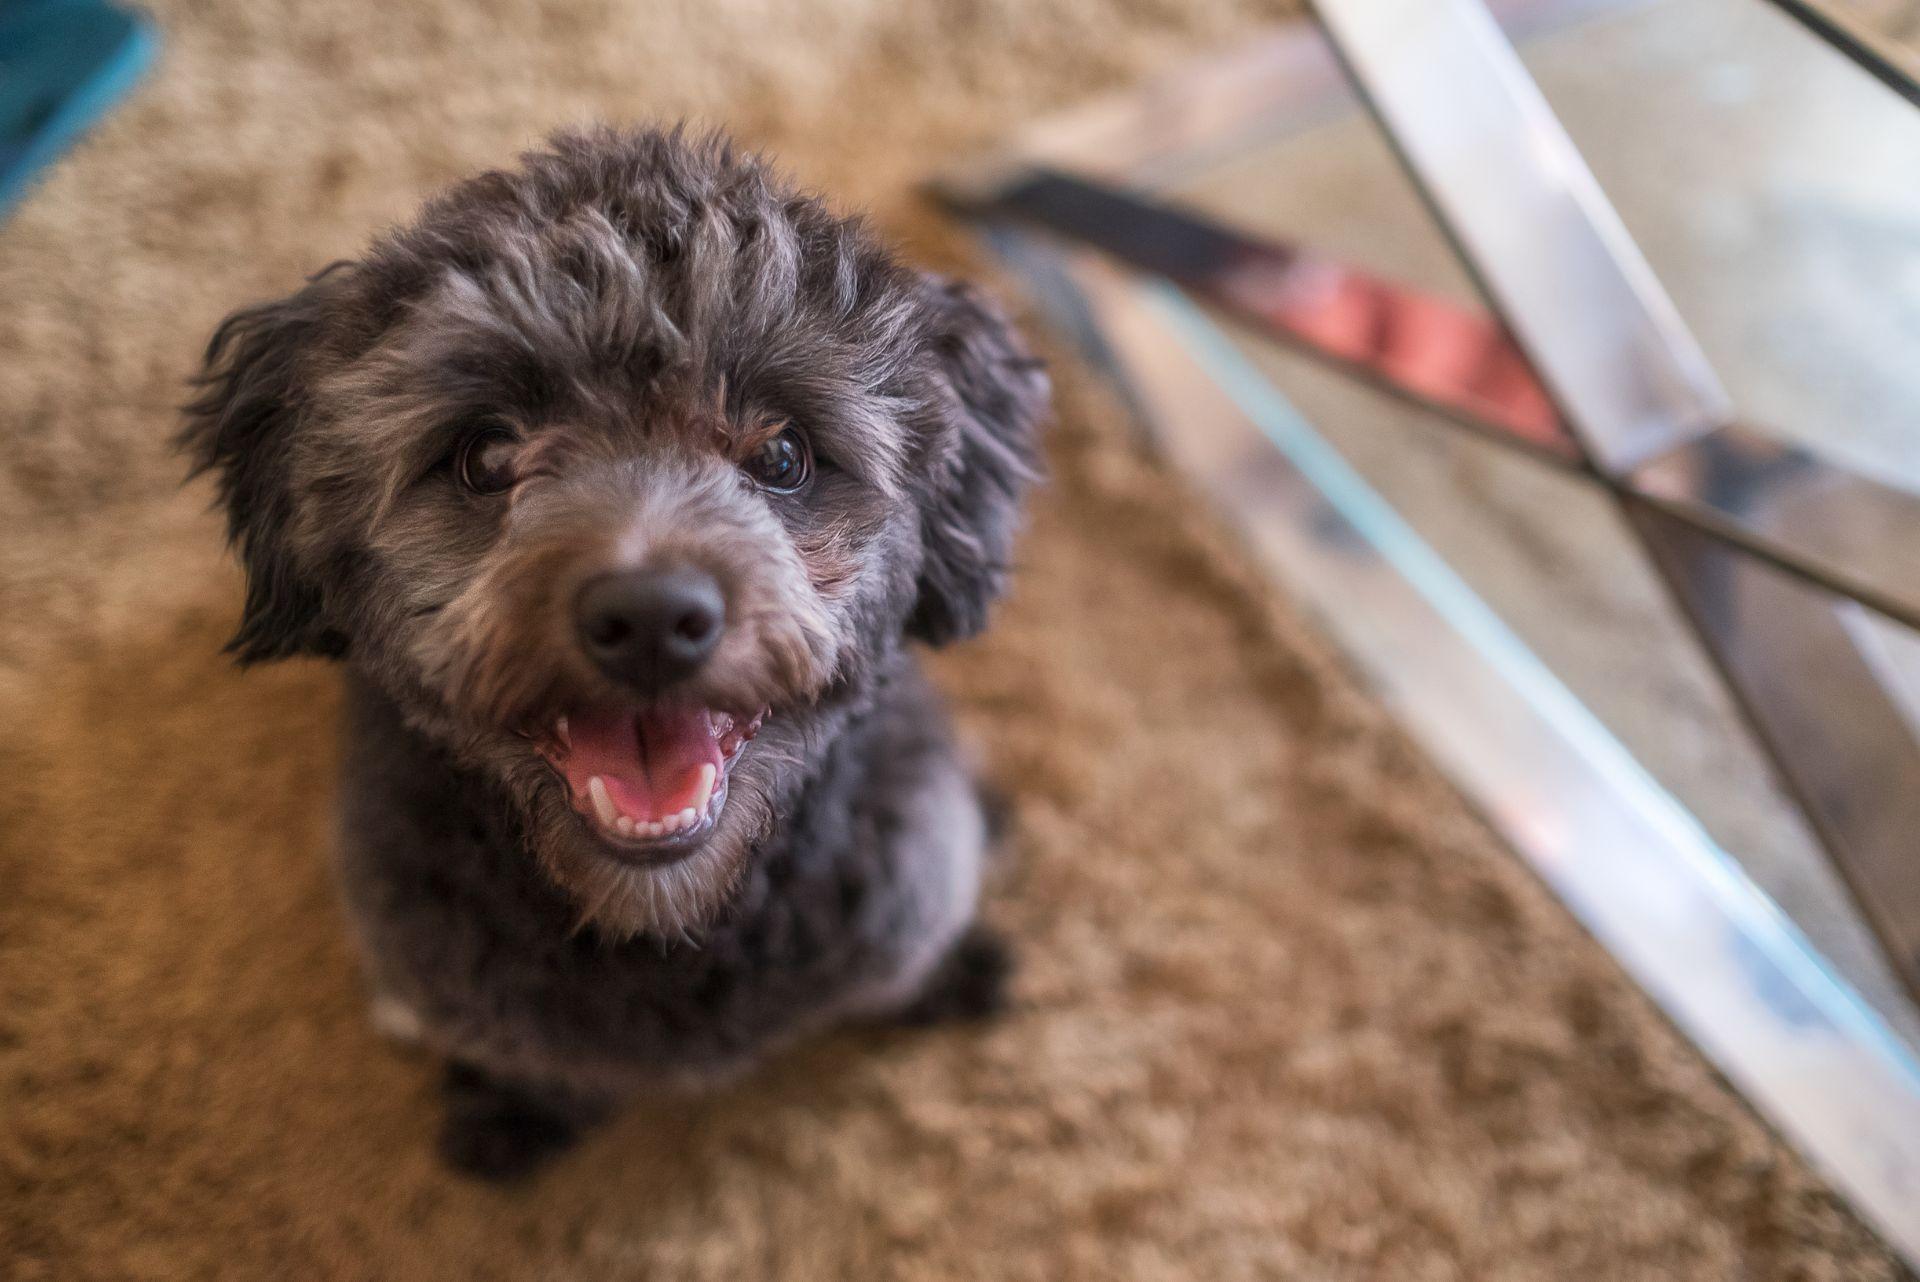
[1288,1010]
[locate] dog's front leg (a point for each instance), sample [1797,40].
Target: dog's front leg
[500,1130]
[968,983]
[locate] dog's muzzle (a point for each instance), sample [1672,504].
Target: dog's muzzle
[647,772]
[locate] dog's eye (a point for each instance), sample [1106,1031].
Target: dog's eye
[485,463]
[783,463]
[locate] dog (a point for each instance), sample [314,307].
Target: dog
[620,484]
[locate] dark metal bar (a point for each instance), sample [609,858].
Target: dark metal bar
[1454,359]
[1846,532]
[1893,63]
[1846,751]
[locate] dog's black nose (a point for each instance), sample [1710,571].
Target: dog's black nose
[650,628]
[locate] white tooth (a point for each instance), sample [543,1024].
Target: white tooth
[703,788]
[560,732]
[602,803]
[624,825]
[673,823]
[689,817]
[656,830]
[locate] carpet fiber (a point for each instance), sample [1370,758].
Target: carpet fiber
[1287,1009]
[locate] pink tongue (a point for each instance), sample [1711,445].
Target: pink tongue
[650,761]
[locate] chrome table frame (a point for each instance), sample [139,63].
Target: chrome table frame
[1593,370]
[1651,419]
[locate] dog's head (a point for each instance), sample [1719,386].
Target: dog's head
[608,465]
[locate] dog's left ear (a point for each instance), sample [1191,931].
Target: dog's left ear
[995,395]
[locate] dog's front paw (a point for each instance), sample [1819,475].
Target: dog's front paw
[970,982]
[504,1146]
[498,1133]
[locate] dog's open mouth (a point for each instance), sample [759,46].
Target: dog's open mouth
[651,780]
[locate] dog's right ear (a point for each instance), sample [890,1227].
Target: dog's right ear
[252,395]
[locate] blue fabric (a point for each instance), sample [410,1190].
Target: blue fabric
[63,63]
